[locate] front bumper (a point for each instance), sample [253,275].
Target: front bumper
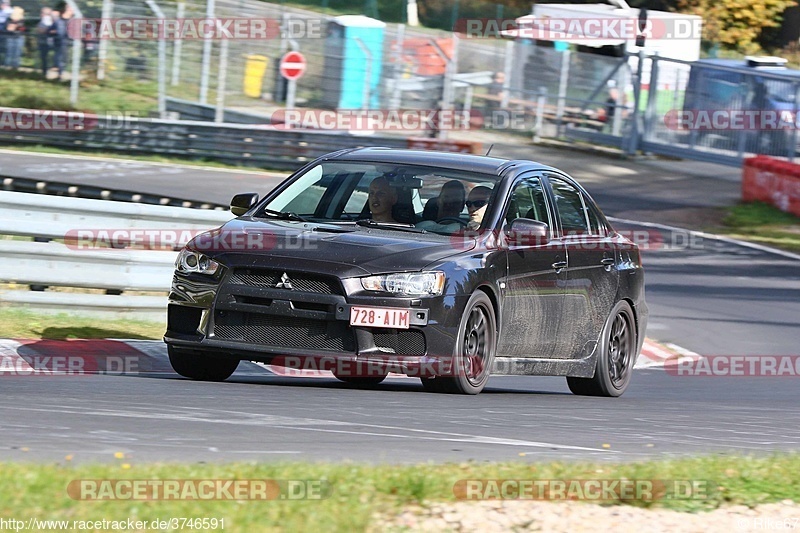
[307,328]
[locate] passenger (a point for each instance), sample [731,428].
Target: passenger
[476,206]
[449,203]
[382,197]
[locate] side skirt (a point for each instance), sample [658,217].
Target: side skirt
[528,366]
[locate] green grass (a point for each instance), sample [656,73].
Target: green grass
[763,223]
[29,90]
[363,496]
[18,323]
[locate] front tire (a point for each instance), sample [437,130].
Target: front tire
[199,366]
[474,354]
[615,357]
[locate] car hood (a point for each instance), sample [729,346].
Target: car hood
[342,250]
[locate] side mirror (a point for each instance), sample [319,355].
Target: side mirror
[527,232]
[242,203]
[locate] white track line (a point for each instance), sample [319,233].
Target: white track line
[714,236]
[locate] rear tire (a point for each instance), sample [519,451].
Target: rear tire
[474,354]
[615,357]
[199,366]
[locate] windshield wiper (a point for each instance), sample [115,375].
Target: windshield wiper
[286,215]
[369,223]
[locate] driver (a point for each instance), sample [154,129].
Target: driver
[477,202]
[382,197]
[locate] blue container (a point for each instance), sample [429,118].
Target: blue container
[347,62]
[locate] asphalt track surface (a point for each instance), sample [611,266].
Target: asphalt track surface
[707,296]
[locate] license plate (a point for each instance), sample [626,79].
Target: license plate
[379,317]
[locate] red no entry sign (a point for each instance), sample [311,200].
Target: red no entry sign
[293,65]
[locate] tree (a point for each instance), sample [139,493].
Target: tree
[736,24]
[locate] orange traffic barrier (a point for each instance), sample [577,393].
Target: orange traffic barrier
[773,181]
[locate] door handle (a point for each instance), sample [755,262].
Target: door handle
[608,261]
[558,265]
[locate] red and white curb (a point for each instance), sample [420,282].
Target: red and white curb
[655,355]
[25,357]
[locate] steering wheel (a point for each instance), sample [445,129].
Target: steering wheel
[445,220]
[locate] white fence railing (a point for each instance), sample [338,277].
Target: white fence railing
[65,224]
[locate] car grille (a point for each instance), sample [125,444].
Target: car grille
[409,342]
[284,332]
[300,281]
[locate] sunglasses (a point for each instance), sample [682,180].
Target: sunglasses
[476,203]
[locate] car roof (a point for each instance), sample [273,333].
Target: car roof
[454,160]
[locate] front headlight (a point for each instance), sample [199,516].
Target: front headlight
[190,261]
[407,284]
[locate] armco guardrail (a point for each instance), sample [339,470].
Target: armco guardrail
[264,146]
[82,190]
[56,264]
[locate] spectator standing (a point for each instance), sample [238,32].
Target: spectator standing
[5,12]
[60,40]
[15,37]
[44,38]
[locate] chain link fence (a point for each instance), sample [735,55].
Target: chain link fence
[520,86]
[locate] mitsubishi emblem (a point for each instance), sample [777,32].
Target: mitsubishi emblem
[285,282]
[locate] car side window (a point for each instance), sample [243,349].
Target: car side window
[572,210]
[528,201]
[595,226]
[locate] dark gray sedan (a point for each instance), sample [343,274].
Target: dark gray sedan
[447,267]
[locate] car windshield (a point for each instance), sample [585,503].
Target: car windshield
[386,196]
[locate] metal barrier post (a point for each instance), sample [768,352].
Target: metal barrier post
[652,98]
[507,68]
[633,140]
[793,144]
[451,65]
[177,48]
[540,103]
[219,113]
[205,67]
[162,61]
[562,88]
[102,52]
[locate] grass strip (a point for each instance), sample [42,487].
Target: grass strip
[763,223]
[20,323]
[361,494]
